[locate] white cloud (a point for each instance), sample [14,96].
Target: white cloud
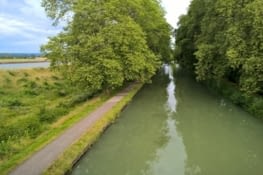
[26,27]
[174,9]
[29,25]
[11,25]
[33,8]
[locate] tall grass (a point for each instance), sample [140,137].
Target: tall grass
[66,161]
[31,101]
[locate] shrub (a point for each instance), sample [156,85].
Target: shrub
[33,92]
[62,93]
[55,77]
[22,80]
[79,99]
[13,102]
[5,148]
[51,114]
[256,107]
[2,92]
[26,74]
[11,73]
[32,126]
[7,80]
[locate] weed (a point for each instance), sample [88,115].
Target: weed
[51,114]
[62,93]
[22,80]
[26,74]
[13,102]
[54,77]
[7,81]
[12,73]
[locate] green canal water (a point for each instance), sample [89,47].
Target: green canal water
[175,126]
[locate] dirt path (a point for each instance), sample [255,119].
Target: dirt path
[41,160]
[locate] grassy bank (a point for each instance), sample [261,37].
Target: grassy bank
[34,109]
[252,104]
[73,153]
[21,60]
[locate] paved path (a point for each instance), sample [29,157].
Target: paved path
[41,160]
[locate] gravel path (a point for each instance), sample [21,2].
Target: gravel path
[41,160]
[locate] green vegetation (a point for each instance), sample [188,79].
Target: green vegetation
[221,41]
[33,108]
[105,45]
[68,158]
[108,43]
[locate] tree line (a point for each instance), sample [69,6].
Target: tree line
[106,43]
[223,39]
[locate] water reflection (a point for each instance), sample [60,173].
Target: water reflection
[172,156]
[171,101]
[24,65]
[186,132]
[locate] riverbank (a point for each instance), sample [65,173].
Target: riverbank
[36,106]
[250,103]
[22,60]
[177,126]
[67,160]
[94,123]
[253,104]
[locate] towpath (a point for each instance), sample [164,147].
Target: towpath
[43,159]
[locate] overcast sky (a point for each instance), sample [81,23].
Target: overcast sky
[24,25]
[174,9]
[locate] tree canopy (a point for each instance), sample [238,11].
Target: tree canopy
[108,42]
[223,39]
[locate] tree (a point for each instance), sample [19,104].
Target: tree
[223,41]
[102,47]
[146,13]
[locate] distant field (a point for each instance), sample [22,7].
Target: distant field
[22,60]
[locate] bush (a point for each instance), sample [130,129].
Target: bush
[7,80]
[10,133]
[26,74]
[55,77]
[62,93]
[79,99]
[31,85]
[4,148]
[22,80]
[51,114]
[13,102]
[11,73]
[2,91]
[256,107]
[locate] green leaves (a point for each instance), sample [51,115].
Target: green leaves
[223,40]
[108,42]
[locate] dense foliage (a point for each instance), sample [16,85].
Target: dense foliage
[223,39]
[108,42]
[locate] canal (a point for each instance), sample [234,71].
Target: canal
[24,65]
[175,126]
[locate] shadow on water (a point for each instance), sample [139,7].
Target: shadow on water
[175,126]
[219,137]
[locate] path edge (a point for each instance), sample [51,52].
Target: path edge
[67,160]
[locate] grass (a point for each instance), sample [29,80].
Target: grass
[34,109]
[22,60]
[74,152]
